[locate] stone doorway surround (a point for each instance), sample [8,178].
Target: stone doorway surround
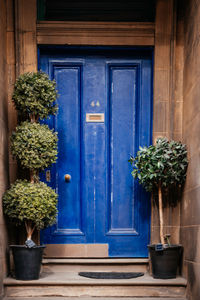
[168,57]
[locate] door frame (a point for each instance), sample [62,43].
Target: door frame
[163,31]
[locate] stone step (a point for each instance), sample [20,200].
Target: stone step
[92,298]
[96,264]
[70,284]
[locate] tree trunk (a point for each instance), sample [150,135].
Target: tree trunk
[161,214]
[28,224]
[29,229]
[32,175]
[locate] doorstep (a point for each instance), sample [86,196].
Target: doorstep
[96,298]
[95,264]
[68,278]
[70,284]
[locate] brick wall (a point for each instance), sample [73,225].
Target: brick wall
[190,210]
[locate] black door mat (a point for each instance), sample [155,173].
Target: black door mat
[110,275]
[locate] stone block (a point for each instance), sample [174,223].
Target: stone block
[190,239]
[10,47]
[193,171]
[161,84]
[193,275]
[178,116]
[10,15]
[190,208]
[161,116]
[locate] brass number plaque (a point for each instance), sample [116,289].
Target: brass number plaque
[95,117]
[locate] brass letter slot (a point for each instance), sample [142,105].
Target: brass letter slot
[95,117]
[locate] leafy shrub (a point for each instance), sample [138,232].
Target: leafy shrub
[35,145]
[31,202]
[164,163]
[160,166]
[35,94]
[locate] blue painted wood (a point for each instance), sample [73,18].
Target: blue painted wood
[102,203]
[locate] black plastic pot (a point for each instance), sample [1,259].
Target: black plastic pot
[27,261]
[165,262]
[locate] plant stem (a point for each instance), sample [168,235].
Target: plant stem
[34,118]
[32,176]
[161,214]
[29,229]
[28,224]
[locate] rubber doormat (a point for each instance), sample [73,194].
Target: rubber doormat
[111,275]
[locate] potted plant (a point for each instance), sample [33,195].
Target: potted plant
[32,202]
[161,168]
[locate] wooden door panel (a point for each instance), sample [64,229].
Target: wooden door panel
[101,204]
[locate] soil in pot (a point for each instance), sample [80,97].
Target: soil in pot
[165,262]
[27,261]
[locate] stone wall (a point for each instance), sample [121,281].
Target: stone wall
[190,210]
[3,135]
[168,100]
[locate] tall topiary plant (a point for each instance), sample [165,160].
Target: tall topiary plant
[34,96]
[160,167]
[35,147]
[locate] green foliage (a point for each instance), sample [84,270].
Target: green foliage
[26,201]
[163,164]
[35,94]
[35,145]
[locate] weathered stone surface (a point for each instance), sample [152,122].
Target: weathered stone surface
[190,210]
[3,136]
[70,284]
[97,265]
[96,298]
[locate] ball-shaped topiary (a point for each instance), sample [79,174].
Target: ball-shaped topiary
[35,95]
[35,145]
[159,167]
[164,164]
[31,203]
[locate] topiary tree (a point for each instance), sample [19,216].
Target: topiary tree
[31,204]
[35,146]
[34,95]
[159,167]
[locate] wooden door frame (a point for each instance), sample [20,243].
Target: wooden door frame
[161,35]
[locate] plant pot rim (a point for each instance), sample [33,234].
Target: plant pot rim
[25,247]
[166,246]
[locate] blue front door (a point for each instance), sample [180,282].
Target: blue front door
[104,116]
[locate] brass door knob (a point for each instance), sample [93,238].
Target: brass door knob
[67,177]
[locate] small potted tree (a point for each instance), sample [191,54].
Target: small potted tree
[32,202]
[161,168]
